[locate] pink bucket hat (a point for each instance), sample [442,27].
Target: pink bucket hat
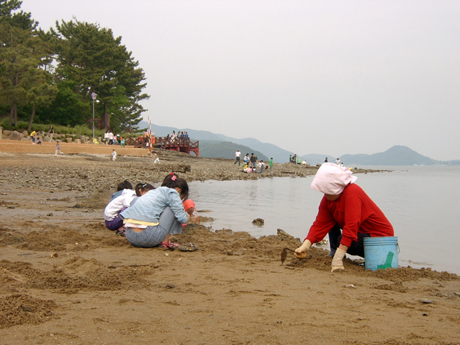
[332,179]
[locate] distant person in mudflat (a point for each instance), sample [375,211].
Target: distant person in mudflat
[58,149]
[237,157]
[261,166]
[271,164]
[337,161]
[326,160]
[346,213]
[253,160]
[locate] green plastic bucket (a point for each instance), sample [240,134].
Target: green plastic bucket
[380,252]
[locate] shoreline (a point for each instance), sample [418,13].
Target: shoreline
[65,277]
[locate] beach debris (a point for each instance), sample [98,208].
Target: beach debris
[286,250]
[258,222]
[350,286]
[283,235]
[188,247]
[426,301]
[54,255]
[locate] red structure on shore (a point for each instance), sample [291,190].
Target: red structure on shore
[180,145]
[165,143]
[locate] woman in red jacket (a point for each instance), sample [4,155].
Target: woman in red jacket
[346,213]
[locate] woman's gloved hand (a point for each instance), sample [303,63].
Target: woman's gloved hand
[301,251]
[337,261]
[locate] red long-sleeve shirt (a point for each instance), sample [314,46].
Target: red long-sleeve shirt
[354,212]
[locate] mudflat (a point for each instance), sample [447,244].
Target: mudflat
[66,279]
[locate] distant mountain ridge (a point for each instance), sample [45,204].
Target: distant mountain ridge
[396,155]
[220,146]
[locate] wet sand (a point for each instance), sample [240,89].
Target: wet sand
[66,279]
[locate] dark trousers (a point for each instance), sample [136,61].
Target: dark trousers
[237,160]
[356,248]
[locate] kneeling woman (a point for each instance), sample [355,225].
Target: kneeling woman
[157,215]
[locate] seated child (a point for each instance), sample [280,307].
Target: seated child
[122,185]
[117,205]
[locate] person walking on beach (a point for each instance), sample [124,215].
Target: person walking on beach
[51,132]
[261,166]
[114,155]
[253,160]
[155,158]
[237,157]
[58,149]
[337,161]
[271,164]
[32,136]
[346,213]
[110,137]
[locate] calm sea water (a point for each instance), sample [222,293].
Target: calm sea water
[421,203]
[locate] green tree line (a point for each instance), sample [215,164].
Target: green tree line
[51,77]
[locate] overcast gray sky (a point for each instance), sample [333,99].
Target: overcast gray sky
[327,77]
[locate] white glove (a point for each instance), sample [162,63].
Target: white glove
[337,261]
[300,252]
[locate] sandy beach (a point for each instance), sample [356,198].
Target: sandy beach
[66,279]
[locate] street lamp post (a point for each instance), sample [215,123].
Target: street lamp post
[93,96]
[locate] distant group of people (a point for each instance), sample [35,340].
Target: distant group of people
[338,162]
[296,160]
[36,139]
[180,136]
[113,139]
[148,216]
[146,140]
[252,164]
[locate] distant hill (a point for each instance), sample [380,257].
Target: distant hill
[218,145]
[397,155]
[226,149]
